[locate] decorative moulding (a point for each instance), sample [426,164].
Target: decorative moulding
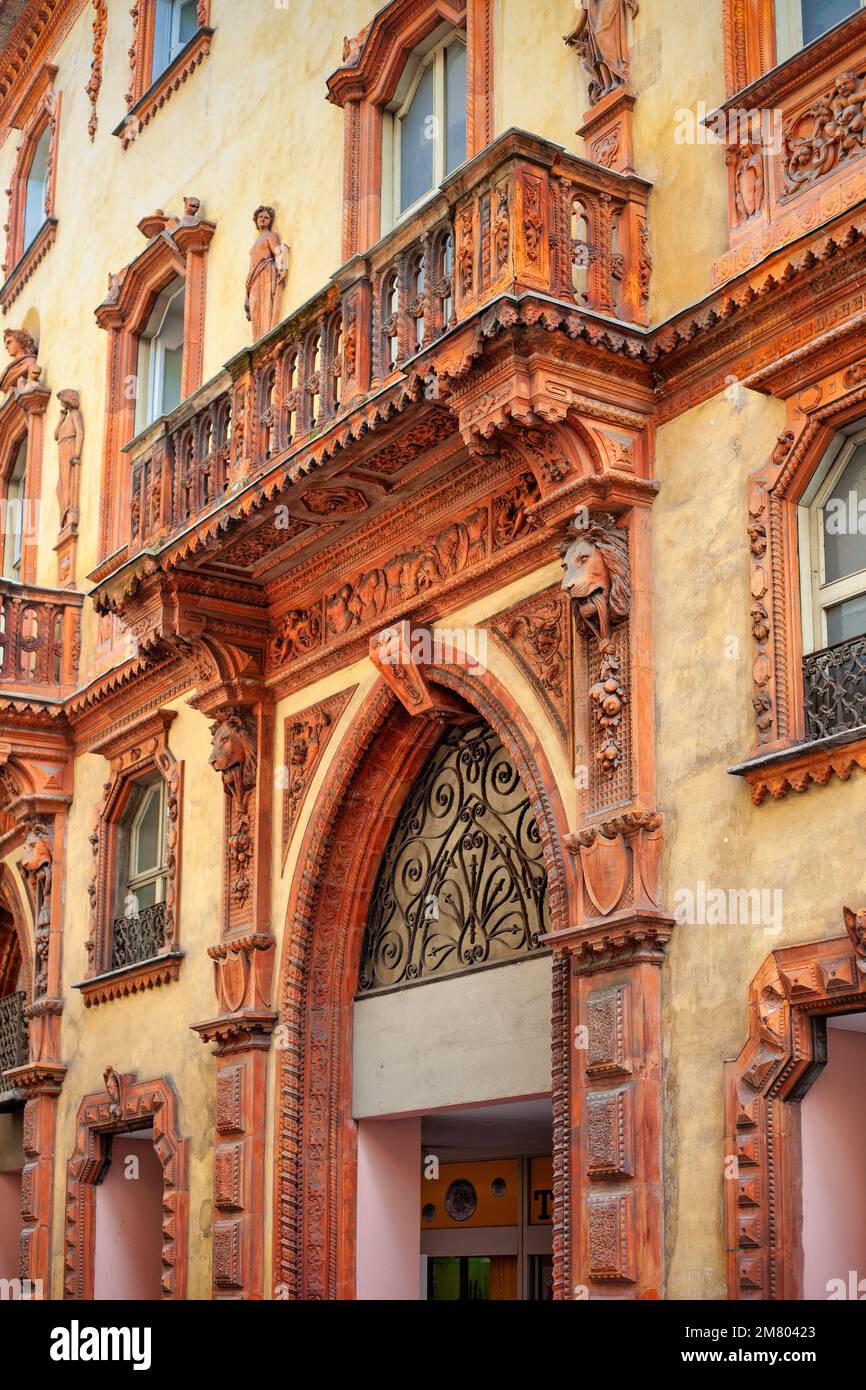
[145,97]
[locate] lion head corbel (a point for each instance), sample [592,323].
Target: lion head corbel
[597,576]
[35,865]
[233,755]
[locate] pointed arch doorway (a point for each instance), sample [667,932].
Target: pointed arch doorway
[373,772]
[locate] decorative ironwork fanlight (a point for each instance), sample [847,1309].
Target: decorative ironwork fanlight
[462,883]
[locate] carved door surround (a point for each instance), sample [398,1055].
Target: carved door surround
[242,732]
[139,749]
[125,1104]
[821,402]
[793,994]
[377,759]
[372,66]
[176,246]
[35,794]
[36,112]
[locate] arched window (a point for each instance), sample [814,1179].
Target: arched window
[35,189]
[160,357]
[833,549]
[425,139]
[462,883]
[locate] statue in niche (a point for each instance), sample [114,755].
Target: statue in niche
[269,269]
[69,437]
[748,165]
[600,38]
[23,371]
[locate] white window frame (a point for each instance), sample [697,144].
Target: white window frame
[789,27]
[175,43]
[158,874]
[151,358]
[433,52]
[30,235]
[16,493]
[816,594]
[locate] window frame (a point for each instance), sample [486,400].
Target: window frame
[132,881]
[788,27]
[154,387]
[19,458]
[149,91]
[38,114]
[416,65]
[816,593]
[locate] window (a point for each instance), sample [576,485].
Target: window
[36,187]
[146,849]
[175,22]
[427,134]
[13,517]
[798,22]
[833,549]
[160,357]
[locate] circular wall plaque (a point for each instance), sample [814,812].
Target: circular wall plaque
[461,1200]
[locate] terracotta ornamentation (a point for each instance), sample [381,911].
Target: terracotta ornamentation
[597,579]
[23,372]
[269,269]
[748,166]
[796,989]
[126,1104]
[69,437]
[828,132]
[306,736]
[94,82]
[601,40]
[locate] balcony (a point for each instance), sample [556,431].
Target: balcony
[834,682]
[522,219]
[14,1047]
[39,641]
[139,938]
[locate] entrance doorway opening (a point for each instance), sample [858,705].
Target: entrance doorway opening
[457,1205]
[833,1124]
[128,1241]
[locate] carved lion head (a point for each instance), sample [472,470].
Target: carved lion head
[233,750]
[37,851]
[597,577]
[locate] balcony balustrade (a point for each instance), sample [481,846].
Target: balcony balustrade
[138,938]
[835,689]
[522,218]
[39,640]
[13,1041]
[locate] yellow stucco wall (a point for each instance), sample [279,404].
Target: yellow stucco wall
[714,833]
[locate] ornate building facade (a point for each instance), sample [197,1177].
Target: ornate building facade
[432,649]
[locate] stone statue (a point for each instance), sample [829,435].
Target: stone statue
[69,437]
[748,165]
[597,577]
[23,371]
[600,38]
[269,269]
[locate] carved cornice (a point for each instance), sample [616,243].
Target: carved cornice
[623,939]
[32,258]
[134,979]
[795,769]
[37,36]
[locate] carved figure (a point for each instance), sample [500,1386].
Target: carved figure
[233,755]
[829,130]
[23,371]
[113,1087]
[69,437]
[299,632]
[855,925]
[269,269]
[600,38]
[748,162]
[36,864]
[597,577]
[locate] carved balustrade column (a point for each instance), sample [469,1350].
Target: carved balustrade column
[243,959]
[607,1013]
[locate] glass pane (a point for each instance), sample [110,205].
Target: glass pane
[821,15]
[147,838]
[846,620]
[455,105]
[146,896]
[479,1277]
[14,518]
[34,197]
[161,38]
[444,1279]
[844,521]
[171,380]
[417,133]
[187,22]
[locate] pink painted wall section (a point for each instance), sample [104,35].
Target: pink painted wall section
[389,1209]
[128,1245]
[10,1224]
[834,1162]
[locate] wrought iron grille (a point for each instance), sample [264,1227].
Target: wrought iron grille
[462,882]
[835,687]
[134,939]
[13,1033]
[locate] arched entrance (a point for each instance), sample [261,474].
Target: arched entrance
[339,862]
